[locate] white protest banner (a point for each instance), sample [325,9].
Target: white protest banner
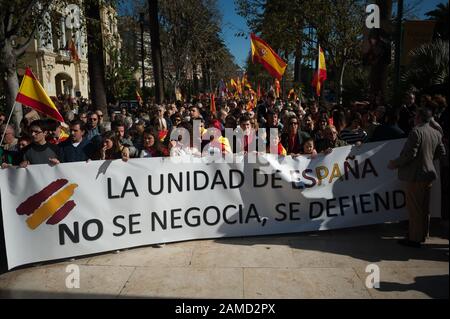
[85,208]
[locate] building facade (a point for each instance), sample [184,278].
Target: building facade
[58,55]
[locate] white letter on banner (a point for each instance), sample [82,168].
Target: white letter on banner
[73,280]
[373,280]
[373,19]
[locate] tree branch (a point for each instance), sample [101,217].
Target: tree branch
[14,30]
[21,49]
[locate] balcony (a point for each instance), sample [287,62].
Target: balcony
[63,57]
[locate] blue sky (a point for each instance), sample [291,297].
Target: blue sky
[231,24]
[240,47]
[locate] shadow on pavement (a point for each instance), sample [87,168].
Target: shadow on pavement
[434,286]
[369,243]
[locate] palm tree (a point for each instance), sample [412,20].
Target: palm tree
[441,16]
[429,66]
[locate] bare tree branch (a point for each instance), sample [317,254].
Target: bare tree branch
[16,28]
[21,49]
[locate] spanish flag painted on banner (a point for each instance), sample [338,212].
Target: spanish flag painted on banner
[321,74]
[32,94]
[263,53]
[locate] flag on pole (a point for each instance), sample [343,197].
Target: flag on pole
[263,53]
[64,134]
[239,86]
[73,50]
[234,84]
[32,94]
[139,98]
[292,94]
[213,104]
[246,83]
[321,75]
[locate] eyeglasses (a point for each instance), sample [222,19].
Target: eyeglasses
[293,123]
[93,119]
[35,132]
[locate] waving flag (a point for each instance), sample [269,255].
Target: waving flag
[213,104]
[32,94]
[233,84]
[73,51]
[139,98]
[263,53]
[321,74]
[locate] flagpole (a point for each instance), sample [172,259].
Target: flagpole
[318,73]
[7,123]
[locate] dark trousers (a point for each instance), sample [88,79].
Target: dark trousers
[418,205]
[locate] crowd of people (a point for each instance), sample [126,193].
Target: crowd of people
[290,127]
[303,128]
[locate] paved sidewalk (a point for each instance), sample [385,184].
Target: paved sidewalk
[327,264]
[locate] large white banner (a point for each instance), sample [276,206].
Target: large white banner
[84,208]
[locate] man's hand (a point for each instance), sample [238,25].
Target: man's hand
[53,161]
[125,154]
[6,165]
[24,164]
[328,151]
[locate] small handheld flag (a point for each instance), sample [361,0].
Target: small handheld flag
[32,94]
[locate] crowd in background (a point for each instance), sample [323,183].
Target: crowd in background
[304,127]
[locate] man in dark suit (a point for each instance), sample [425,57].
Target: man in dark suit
[415,167]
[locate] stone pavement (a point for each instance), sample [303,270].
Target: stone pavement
[328,264]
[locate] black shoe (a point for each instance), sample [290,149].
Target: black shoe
[409,243]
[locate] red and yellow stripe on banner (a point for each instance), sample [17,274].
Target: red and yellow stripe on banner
[32,94]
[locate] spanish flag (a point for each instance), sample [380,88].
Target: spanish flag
[234,84]
[213,104]
[292,94]
[321,74]
[73,51]
[64,134]
[139,98]
[239,86]
[263,53]
[32,94]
